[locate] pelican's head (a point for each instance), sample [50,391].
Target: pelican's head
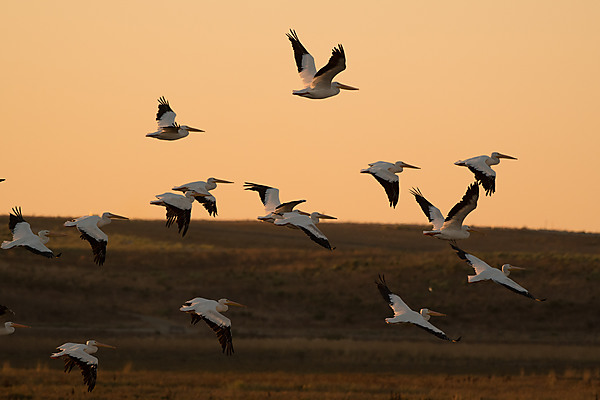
[342,86]
[427,313]
[15,325]
[189,128]
[401,164]
[500,155]
[506,268]
[469,229]
[217,180]
[113,216]
[95,343]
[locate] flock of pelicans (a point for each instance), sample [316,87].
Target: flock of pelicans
[318,85]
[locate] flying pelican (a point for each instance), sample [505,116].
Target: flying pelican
[483,272]
[450,228]
[402,313]
[179,208]
[308,224]
[9,328]
[210,312]
[204,197]
[89,227]
[168,129]
[270,199]
[318,85]
[23,236]
[385,173]
[481,167]
[79,354]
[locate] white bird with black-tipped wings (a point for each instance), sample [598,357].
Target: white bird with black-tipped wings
[168,129]
[480,166]
[210,311]
[307,223]
[318,84]
[89,227]
[179,208]
[385,173]
[269,196]
[484,271]
[80,354]
[204,197]
[450,228]
[24,237]
[403,313]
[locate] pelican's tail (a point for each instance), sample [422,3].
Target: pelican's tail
[474,278]
[7,245]
[70,223]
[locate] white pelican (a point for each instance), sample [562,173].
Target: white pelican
[481,167]
[204,196]
[79,354]
[179,208]
[402,313]
[483,271]
[210,311]
[385,173]
[89,227]
[9,328]
[168,129]
[5,311]
[318,85]
[307,223]
[23,236]
[270,199]
[450,228]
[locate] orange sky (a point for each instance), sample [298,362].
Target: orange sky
[439,81]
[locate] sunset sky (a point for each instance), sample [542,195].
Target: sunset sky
[439,81]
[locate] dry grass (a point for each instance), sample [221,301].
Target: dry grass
[312,313]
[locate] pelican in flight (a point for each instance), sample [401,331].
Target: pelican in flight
[179,208]
[270,199]
[483,272]
[79,354]
[307,223]
[318,84]
[402,313]
[385,173]
[24,237]
[204,196]
[481,167]
[89,227]
[210,311]
[9,328]
[450,228]
[168,129]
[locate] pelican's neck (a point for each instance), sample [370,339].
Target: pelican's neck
[315,217]
[221,306]
[506,269]
[90,348]
[43,238]
[493,160]
[104,220]
[425,314]
[211,184]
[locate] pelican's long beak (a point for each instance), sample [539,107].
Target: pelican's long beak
[105,345]
[194,130]
[473,230]
[323,216]
[115,216]
[405,165]
[346,87]
[505,156]
[55,234]
[233,303]
[513,267]
[436,314]
[222,181]
[19,325]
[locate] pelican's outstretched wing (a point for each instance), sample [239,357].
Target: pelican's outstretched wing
[269,196]
[336,64]
[392,299]
[220,324]
[165,117]
[468,203]
[426,325]
[434,215]
[478,265]
[304,61]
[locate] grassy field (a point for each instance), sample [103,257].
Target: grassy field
[314,324]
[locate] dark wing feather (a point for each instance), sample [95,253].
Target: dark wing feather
[384,290]
[261,189]
[98,247]
[322,241]
[488,182]
[299,49]
[88,371]
[336,64]
[223,333]
[392,189]
[524,293]
[209,203]
[467,203]
[182,217]
[439,334]
[47,254]
[461,254]
[163,107]
[15,218]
